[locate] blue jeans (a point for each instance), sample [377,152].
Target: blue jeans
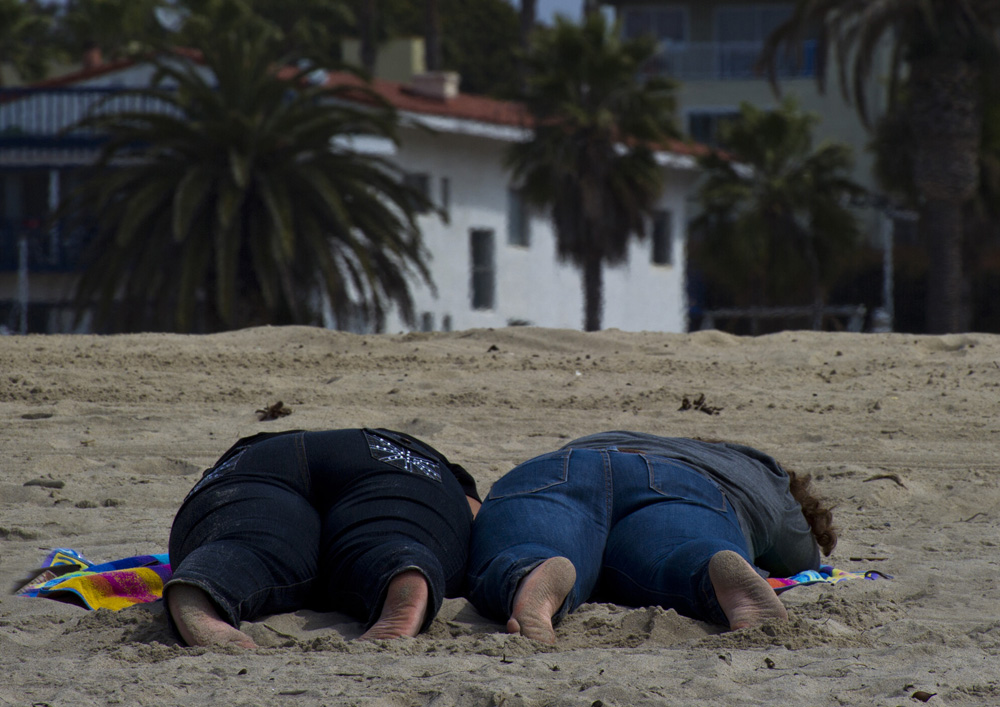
[639,529]
[319,520]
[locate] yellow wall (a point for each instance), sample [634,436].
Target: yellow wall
[398,59]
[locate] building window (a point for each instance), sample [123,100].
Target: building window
[750,24]
[741,31]
[427,321]
[705,126]
[661,236]
[446,323]
[483,281]
[518,219]
[421,183]
[446,196]
[663,23]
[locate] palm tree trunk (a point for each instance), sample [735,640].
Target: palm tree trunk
[368,29]
[432,38]
[815,282]
[529,13]
[947,118]
[593,292]
[941,222]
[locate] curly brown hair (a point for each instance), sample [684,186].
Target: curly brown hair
[819,517]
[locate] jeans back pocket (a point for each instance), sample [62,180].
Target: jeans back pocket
[674,479]
[533,475]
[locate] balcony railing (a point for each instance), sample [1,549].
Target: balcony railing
[58,249]
[727,61]
[39,117]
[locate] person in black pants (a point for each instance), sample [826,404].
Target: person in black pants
[370,522]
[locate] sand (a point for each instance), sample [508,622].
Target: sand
[899,431]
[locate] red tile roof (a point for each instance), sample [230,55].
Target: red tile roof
[84,74]
[462,107]
[468,107]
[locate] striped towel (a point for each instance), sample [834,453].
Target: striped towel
[67,575]
[826,574]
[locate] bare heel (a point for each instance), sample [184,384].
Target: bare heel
[404,610]
[538,598]
[198,621]
[745,597]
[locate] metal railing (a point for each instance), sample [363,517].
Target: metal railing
[854,314]
[56,249]
[727,61]
[35,116]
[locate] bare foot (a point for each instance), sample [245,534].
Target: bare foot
[745,597]
[199,622]
[538,598]
[404,609]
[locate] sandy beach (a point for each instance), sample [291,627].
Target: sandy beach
[899,431]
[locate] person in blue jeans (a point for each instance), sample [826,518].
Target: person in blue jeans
[643,520]
[370,522]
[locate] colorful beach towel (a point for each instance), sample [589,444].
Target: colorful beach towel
[67,575]
[826,574]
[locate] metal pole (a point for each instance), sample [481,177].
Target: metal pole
[22,280]
[888,227]
[54,196]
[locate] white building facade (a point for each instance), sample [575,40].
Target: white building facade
[494,261]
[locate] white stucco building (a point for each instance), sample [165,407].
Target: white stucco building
[493,263]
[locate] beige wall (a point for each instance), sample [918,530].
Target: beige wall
[398,59]
[839,120]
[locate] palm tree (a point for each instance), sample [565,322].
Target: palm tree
[432,36]
[312,32]
[774,210]
[115,27]
[945,45]
[368,21]
[528,15]
[591,157]
[476,39]
[24,38]
[236,200]
[527,18]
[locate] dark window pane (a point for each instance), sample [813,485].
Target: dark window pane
[706,127]
[662,241]
[482,249]
[661,23]
[446,195]
[421,182]
[518,219]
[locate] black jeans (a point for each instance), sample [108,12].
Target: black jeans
[322,520]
